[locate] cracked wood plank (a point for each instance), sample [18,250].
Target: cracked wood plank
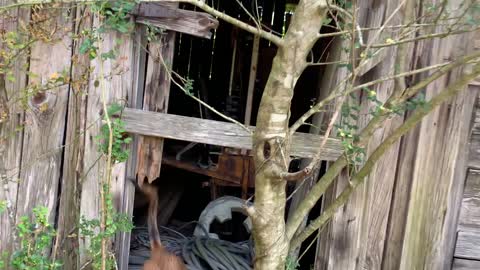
[225,134]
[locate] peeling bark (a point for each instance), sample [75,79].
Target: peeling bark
[271,138]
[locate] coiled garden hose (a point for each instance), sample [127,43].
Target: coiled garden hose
[202,253]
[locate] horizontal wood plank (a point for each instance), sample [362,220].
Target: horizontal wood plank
[166,16]
[225,134]
[470,209]
[468,246]
[461,264]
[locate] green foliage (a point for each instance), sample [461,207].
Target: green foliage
[189,86]
[35,239]
[347,130]
[416,102]
[153,32]
[88,45]
[120,139]
[3,259]
[291,264]
[115,14]
[115,222]
[3,206]
[115,17]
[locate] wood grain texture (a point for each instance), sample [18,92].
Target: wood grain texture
[460,264]
[370,207]
[474,150]
[217,133]
[357,235]
[116,89]
[157,93]
[432,196]
[467,245]
[45,119]
[11,131]
[470,211]
[69,210]
[170,17]
[122,242]
[440,166]
[333,75]
[400,198]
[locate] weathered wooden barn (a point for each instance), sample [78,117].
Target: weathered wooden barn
[419,209]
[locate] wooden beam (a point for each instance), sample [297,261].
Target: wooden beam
[165,16]
[468,246]
[460,264]
[225,134]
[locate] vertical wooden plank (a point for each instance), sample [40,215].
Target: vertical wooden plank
[252,79]
[117,89]
[11,132]
[157,92]
[427,53]
[122,243]
[357,234]
[45,117]
[400,198]
[320,122]
[437,183]
[378,187]
[66,247]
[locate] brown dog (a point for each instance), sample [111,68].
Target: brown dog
[160,258]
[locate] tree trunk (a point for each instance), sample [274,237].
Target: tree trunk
[271,140]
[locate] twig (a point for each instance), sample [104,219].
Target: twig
[442,69]
[108,169]
[249,14]
[429,36]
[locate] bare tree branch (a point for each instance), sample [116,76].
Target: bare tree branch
[442,70]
